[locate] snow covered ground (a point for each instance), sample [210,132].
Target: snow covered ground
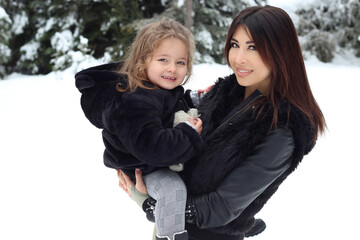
[54,185]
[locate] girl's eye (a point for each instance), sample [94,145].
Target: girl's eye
[181,63]
[234,45]
[162,60]
[252,47]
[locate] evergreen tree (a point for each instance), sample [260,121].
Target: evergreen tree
[211,20]
[47,35]
[329,27]
[5,33]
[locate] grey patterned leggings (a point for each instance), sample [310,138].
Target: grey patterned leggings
[170,193]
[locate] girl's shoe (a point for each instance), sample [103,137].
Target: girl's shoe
[258,228]
[177,236]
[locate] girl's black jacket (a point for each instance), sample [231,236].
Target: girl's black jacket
[244,161]
[137,127]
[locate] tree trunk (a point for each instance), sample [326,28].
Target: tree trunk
[188,14]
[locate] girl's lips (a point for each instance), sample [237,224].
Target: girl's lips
[169,78]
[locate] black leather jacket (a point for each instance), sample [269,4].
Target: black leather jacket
[245,182]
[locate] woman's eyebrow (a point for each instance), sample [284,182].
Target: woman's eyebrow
[247,42]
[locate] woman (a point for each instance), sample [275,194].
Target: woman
[258,123]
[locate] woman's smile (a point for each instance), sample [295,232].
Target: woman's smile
[243,72]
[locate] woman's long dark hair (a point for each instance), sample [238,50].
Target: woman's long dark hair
[276,40]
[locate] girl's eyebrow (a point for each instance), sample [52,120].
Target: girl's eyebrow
[162,55]
[166,55]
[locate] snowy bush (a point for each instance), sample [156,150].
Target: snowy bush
[5,51]
[45,34]
[330,27]
[321,44]
[211,21]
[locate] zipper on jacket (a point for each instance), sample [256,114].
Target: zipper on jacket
[239,111]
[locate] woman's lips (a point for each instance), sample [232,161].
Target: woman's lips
[243,72]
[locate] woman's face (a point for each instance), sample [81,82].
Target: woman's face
[245,61]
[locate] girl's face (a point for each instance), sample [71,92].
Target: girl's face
[168,66]
[245,61]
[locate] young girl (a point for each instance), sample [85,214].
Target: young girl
[136,108]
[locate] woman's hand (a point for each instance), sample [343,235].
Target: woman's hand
[126,184]
[203,91]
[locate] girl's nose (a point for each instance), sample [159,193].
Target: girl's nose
[171,67]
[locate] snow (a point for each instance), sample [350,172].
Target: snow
[19,22]
[29,51]
[180,3]
[62,41]
[54,185]
[4,15]
[205,37]
[290,4]
[5,51]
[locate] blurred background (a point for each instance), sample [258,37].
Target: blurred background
[41,36]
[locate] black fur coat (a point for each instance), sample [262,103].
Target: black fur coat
[230,136]
[137,127]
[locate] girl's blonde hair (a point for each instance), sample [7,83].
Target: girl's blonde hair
[144,46]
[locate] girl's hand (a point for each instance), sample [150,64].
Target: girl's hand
[126,184]
[197,123]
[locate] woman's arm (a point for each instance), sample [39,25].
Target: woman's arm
[246,182]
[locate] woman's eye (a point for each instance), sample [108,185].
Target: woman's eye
[252,47]
[234,45]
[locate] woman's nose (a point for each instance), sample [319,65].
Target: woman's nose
[240,57]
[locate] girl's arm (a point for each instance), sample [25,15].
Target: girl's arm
[140,129]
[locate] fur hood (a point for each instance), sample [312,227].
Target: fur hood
[98,86]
